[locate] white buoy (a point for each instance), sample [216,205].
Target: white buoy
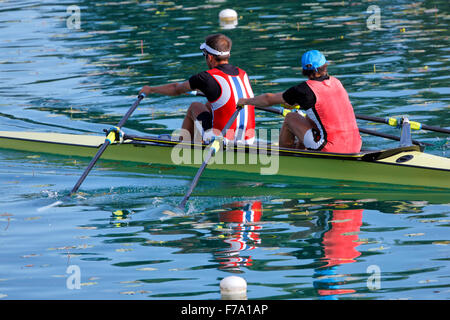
[228,19]
[233,288]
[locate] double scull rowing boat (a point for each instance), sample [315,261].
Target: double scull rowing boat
[402,166]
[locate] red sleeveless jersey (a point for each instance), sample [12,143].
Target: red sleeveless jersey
[334,116]
[232,89]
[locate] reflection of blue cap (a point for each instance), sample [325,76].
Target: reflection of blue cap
[314,58]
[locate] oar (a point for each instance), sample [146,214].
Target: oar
[109,139]
[395,122]
[284,111]
[214,147]
[390,136]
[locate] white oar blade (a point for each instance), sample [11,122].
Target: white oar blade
[54,204]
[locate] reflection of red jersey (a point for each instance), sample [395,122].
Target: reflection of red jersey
[245,235]
[341,240]
[251,213]
[339,245]
[233,88]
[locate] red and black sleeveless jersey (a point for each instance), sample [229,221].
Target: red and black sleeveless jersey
[223,92]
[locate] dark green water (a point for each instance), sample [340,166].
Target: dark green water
[312,242]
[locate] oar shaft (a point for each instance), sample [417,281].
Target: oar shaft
[370,118]
[130,111]
[109,139]
[90,166]
[436,129]
[212,150]
[284,111]
[281,112]
[394,122]
[390,136]
[272,110]
[195,180]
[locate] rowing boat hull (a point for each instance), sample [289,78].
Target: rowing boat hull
[422,170]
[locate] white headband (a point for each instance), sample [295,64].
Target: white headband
[204,46]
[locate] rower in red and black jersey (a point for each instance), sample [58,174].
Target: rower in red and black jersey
[330,123]
[223,85]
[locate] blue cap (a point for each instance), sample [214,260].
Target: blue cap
[314,58]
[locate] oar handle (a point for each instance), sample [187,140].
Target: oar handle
[281,112]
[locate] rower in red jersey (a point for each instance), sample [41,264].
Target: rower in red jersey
[329,124]
[223,85]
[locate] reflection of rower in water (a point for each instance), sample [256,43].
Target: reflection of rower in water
[244,234]
[339,244]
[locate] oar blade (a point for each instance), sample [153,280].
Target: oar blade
[194,182]
[109,139]
[54,204]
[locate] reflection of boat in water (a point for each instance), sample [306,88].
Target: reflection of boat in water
[339,247]
[243,234]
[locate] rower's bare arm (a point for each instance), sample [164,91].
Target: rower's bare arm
[170,89]
[264,100]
